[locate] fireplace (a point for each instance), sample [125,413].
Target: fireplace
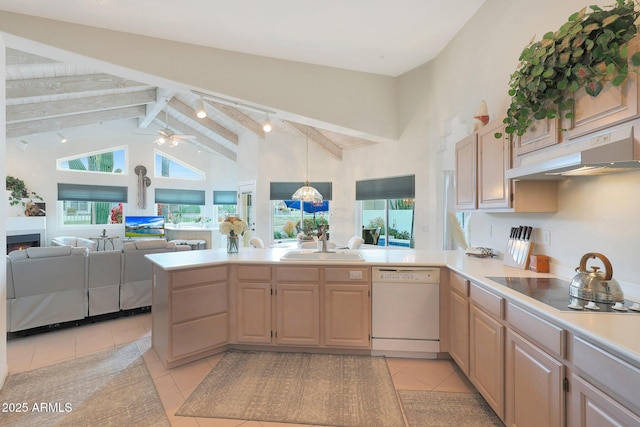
[23,241]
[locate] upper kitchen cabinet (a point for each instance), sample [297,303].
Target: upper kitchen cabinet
[481,163]
[494,158]
[541,134]
[613,105]
[466,175]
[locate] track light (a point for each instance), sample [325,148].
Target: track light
[22,145]
[267,125]
[200,111]
[62,138]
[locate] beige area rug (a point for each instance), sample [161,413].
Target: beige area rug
[445,409]
[318,389]
[111,388]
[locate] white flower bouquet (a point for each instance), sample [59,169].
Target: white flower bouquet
[233,226]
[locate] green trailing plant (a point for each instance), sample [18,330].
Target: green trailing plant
[19,191]
[588,51]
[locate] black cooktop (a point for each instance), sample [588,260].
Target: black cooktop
[554,292]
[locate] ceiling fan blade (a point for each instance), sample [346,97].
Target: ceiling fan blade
[184,136]
[166,133]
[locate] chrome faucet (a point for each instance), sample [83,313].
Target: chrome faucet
[323,238]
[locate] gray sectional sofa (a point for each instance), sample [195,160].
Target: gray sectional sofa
[51,285]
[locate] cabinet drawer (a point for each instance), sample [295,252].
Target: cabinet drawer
[254,272]
[198,335]
[613,373]
[347,274]
[195,302]
[489,302]
[298,274]
[539,330]
[197,276]
[459,284]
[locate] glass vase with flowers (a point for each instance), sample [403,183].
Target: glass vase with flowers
[233,227]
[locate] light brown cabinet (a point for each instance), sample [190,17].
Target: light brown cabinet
[298,315]
[541,134]
[190,318]
[459,321]
[494,158]
[592,407]
[481,163]
[347,307]
[486,346]
[253,304]
[534,385]
[614,104]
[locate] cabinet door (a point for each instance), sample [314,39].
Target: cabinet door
[614,104]
[534,385]
[298,314]
[591,407]
[347,315]
[466,175]
[494,158]
[253,312]
[486,358]
[459,321]
[542,133]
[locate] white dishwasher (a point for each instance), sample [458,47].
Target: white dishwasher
[405,312]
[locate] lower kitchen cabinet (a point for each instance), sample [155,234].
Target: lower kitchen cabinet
[253,313]
[486,358]
[298,314]
[534,385]
[190,313]
[347,315]
[591,407]
[459,321]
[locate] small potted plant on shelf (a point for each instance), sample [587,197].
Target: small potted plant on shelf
[588,51]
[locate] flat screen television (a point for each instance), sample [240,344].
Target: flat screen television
[144,226]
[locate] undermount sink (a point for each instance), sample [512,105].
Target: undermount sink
[322,256]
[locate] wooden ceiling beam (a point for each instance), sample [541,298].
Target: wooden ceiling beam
[49,109]
[163,96]
[239,117]
[213,126]
[37,88]
[316,136]
[60,123]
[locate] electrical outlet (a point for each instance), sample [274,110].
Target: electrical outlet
[546,237]
[489,230]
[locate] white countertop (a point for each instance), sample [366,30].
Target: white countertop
[618,333]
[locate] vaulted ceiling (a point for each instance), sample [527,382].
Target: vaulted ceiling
[48,96]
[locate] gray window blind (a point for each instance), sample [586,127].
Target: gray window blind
[179,197]
[399,187]
[92,193]
[284,190]
[225,197]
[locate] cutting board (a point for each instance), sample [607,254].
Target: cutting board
[517,253]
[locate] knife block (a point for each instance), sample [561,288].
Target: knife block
[517,253]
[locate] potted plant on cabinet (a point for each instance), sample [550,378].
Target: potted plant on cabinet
[588,51]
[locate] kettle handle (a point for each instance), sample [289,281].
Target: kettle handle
[604,259]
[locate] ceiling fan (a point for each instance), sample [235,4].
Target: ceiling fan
[167,136]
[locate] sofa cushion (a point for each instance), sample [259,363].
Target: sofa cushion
[17,255]
[151,244]
[49,252]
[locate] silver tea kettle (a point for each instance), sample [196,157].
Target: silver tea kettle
[594,285]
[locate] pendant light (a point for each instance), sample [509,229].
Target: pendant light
[307,193]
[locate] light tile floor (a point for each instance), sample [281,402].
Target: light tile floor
[175,385]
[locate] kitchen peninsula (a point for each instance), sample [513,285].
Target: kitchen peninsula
[207,301]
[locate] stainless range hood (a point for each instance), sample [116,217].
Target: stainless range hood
[605,153]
